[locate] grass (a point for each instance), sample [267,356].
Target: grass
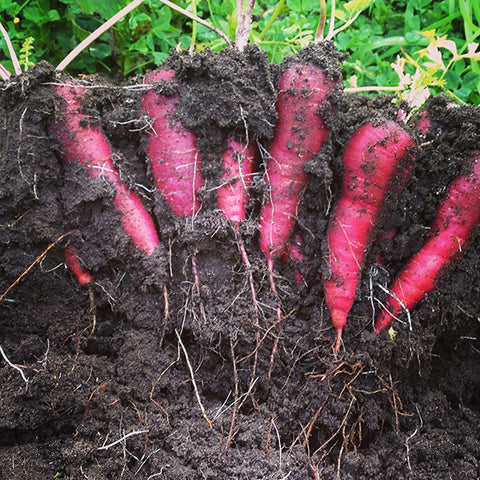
[384,30]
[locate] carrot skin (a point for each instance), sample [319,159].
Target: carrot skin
[423,122]
[88,145]
[239,161]
[72,261]
[294,253]
[299,134]
[371,159]
[175,160]
[452,228]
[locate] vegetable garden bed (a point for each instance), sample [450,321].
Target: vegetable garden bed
[129,379]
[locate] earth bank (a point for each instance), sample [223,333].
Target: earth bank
[119,386]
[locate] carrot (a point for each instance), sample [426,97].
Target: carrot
[86,144]
[239,162]
[423,122]
[72,261]
[452,228]
[294,253]
[372,157]
[238,167]
[299,134]
[175,161]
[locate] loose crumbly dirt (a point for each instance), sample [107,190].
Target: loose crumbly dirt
[119,387]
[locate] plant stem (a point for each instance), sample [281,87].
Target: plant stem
[109,23]
[244,23]
[4,73]
[321,22]
[194,27]
[332,22]
[275,14]
[11,51]
[199,20]
[372,88]
[94,35]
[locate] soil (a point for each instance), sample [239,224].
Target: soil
[119,386]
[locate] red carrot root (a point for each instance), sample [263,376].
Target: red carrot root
[294,253]
[456,219]
[239,161]
[84,277]
[371,159]
[423,122]
[72,261]
[88,145]
[172,150]
[173,154]
[299,135]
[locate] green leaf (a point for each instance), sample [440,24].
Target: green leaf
[471,80]
[53,15]
[100,50]
[355,6]
[453,80]
[104,8]
[295,5]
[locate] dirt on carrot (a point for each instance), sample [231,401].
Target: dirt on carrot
[127,379]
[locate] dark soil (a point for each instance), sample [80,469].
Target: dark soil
[117,384]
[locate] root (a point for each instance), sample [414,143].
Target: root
[279,316]
[16,367]
[196,282]
[103,385]
[248,266]
[194,383]
[235,398]
[93,309]
[37,260]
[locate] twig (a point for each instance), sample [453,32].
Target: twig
[311,424]
[16,367]
[340,460]
[135,432]
[103,385]
[240,400]
[197,394]
[38,259]
[339,429]
[11,51]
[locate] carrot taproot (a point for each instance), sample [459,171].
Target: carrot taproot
[452,228]
[293,252]
[72,261]
[372,157]
[84,143]
[299,134]
[172,150]
[239,161]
